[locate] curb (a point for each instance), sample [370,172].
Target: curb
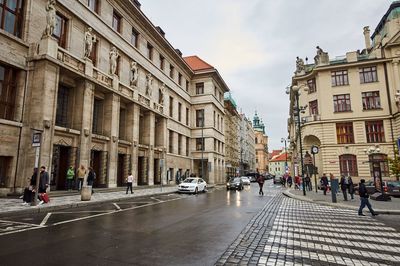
[336,205]
[44,208]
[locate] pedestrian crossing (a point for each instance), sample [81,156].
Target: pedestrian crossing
[305,233]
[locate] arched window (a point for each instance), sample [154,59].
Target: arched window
[348,165]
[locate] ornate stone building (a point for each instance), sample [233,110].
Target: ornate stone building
[352,104]
[106,89]
[232,150]
[261,145]
[247,146]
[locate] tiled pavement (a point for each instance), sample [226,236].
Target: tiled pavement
[293,232]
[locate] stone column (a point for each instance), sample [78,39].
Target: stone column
[84,116]
[111,129]
[134,118]
[163,128]
[396,75]
[211,174]
[150,127]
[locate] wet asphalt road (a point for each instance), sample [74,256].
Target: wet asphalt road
[164,230]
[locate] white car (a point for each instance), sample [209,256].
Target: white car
[193,185]
[245,180]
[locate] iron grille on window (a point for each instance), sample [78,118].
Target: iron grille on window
[62,106]
[11,16]
[375,131]
[348,165]
[344,133]
[7,92]
[368,74]
[341,103]
[340,78]
[371,100]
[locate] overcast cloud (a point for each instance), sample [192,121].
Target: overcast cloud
[254,43]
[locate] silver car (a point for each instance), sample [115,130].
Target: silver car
[245,180]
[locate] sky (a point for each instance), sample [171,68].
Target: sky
[254,43]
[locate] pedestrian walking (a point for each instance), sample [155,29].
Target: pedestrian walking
[344,186]
[129,182]
[307,180]
[283,181]
[297,182]
[364,199]
[324,183]
[351,187]
[289,181]
[80,174]
[43,185]
[260,181]
[70,177]
[29,191]
[91,177]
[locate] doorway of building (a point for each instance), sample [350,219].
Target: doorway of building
[96,165]
[61,161]
[120,170]
[140,178]
[157,172]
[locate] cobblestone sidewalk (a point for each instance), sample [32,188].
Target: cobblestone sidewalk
[293,232]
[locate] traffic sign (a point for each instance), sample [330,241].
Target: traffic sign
[36,139]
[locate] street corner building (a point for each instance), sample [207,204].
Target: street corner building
[348,106]
[105,89]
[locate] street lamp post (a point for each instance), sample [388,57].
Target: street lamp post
[297,110]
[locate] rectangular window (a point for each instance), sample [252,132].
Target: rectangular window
[97,126]
[215,145]
[171,106]
[312,86]
[180,79]
[187,85]
[340,78]
[162,62]
[116,22]
[313,105]
[341,103]
[11,16]
[149,51]
[200,144]
[179,144]
[60,31]
[135,38]
[200,118]
[187,146]
[344,133]
[371,100]
[200,88]
[214,118]
[8,89]
[179,112]
[62,111]
[348,165]
[187,116]
[368,74]
[171,142]
[171,71]
[122,123]
[93,5]
[375,131]
[215,91]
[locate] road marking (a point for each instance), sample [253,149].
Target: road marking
[153,198]
[44,221]
[116,206]
[82,212]
[4,221]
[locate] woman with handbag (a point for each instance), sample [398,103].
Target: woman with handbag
[29,191]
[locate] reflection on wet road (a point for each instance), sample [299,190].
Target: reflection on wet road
[162,230]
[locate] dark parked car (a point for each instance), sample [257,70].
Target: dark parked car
[234,183]
[392,188]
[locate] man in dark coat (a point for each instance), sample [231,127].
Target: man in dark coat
[44,180]
[324,183]
[260,181]
[344,186]
[362,190]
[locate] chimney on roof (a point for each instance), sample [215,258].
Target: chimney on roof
[178,51]
[160,30]
[367,37]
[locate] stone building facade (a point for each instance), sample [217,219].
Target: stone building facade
[352,102]
[247,146]
[232,150]
[106,89]
[261,145]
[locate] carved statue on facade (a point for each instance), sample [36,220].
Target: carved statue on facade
[134,73]
[90,40]
[161,96]
[114,54]
[50,18]
[321,57]
[149,85]
[300,67]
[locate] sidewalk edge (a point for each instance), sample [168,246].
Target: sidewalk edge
[336,205]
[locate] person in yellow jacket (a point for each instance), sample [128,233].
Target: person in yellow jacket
[80,176]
